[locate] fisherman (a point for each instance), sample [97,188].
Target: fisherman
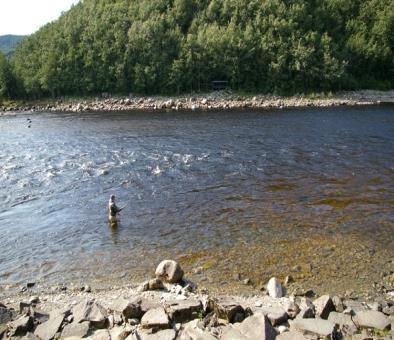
[113,210]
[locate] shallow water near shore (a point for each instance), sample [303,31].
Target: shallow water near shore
[240,192]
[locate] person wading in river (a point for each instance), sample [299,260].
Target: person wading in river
[113,210]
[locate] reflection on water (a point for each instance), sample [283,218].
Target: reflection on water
[248,192]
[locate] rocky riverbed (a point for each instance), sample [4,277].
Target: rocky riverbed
[212,101]
[171,307]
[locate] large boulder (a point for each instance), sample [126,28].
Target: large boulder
[324,306]
[344,321]
[48,329]
[91,311]
[80,330]
[128,309]
[155,319]
[274,288]
[21,326]
[169,271]
[319,327]
[253,327]
[181,311]
[371,319]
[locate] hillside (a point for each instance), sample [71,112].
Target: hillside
[172,46]
[8,43]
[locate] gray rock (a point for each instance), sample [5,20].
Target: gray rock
[29,336]
[324,306]
[147,304]
[3,330]
[129,309]
[371,319]
[274,288]
[155,319]
[292,309]
[90,311]
[121,333]
[306,313]
[344,321]
[292,335]
[320,327]
[21,326]
[6,315]
[226,308]
[76,329]
[276,315]
[48,329]
[354,305]
[155,284]
[40,316]
[181,311]
[253,327]
[192,331]
[288,280]
[169,271]
[34,300]
[167,334]
[338,303]
[388,310]
[101,334]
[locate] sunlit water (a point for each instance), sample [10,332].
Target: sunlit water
[253,193]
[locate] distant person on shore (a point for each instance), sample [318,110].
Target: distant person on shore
[113,210]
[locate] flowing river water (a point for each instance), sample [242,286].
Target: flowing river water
[307,192]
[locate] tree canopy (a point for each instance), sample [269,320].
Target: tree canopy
[171,46]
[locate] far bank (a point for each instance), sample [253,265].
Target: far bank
[222,100]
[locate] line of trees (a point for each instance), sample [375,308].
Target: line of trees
[172,46]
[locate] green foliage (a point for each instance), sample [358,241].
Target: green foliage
[8,44]
[8,86]
[158,46]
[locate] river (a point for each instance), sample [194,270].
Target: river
[246,194]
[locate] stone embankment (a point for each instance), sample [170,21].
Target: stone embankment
[171,307]
[212,101]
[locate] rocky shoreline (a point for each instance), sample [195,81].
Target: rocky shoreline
[171,307]
[212,101]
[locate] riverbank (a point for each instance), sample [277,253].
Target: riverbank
[211,101]
[171,307]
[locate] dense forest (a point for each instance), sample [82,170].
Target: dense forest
[173,46]
[8,43]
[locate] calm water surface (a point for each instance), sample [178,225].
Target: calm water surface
[254,193]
